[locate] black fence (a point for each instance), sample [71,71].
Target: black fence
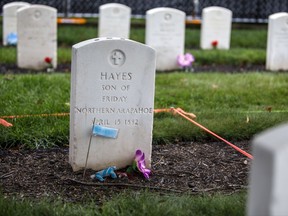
[243,10]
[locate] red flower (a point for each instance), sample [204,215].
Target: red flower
[214,43]
[48,60]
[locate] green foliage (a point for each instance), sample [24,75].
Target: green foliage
[69,35]
[25,207]
[232,105]
[133,203]
[32,95]
[153,204]
[235,57]
[248,46]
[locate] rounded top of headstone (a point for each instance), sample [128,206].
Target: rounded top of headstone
[103,40]
[216,9]
[273,139]
[15,4]
[38,7]
[114,5]
[278,15]
[164,10]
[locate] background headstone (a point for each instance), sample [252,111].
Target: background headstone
[216,26]
[268,194]
[165,32]
[10,19]
[112,81]
[114,20]
[277,43]
[37,37]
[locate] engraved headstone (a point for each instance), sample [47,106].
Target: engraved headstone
[165,32]
[10,19]
[112,81]
[277,43]
[268,194]
[216,28]
[114,20]
[37,37]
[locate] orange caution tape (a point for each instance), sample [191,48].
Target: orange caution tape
[178,111]
[35,115]
[79,21]
[5,123]
[186,115]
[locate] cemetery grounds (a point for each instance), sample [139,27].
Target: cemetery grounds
[192,172]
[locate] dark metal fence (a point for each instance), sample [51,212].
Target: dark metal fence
[243,10]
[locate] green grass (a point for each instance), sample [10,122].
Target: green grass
[232,105]
[133,203]
[222,103]
[235,57]
[248,46]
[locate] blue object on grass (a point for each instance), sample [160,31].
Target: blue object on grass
[99,130]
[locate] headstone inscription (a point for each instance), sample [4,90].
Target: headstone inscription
[268,194]
[215,28]
[37,37]
[10,21]
[165,32]
[277,42]
[112,82]
[114,20]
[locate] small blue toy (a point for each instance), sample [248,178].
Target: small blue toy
[110,171]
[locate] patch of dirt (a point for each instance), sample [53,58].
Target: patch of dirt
[176,168]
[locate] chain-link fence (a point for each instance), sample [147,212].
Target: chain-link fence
[243,10]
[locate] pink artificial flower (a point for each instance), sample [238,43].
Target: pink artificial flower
[48,60]
[214,43]
[185,60]
[5,123]
[141,164]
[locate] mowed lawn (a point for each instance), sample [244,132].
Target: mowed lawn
[236,106]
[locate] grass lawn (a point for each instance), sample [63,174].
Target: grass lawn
[235,106]
[248,46]
[130,203]
[232,105]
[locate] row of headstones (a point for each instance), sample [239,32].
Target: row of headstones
[117,93]
[34,29]
[165,32]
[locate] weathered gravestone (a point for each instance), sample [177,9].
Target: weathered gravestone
[268,193]
[165,32]
[277,43]
[216,28]
[112,82]
[10,20]
[37,37]
[114,20]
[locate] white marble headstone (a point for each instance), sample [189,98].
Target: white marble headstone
[165,32]
[37,37]
[268,194]
[277,43]
[10,19]
[216,26]
[113,81]
[114,20]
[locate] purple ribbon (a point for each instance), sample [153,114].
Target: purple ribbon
[141,164]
